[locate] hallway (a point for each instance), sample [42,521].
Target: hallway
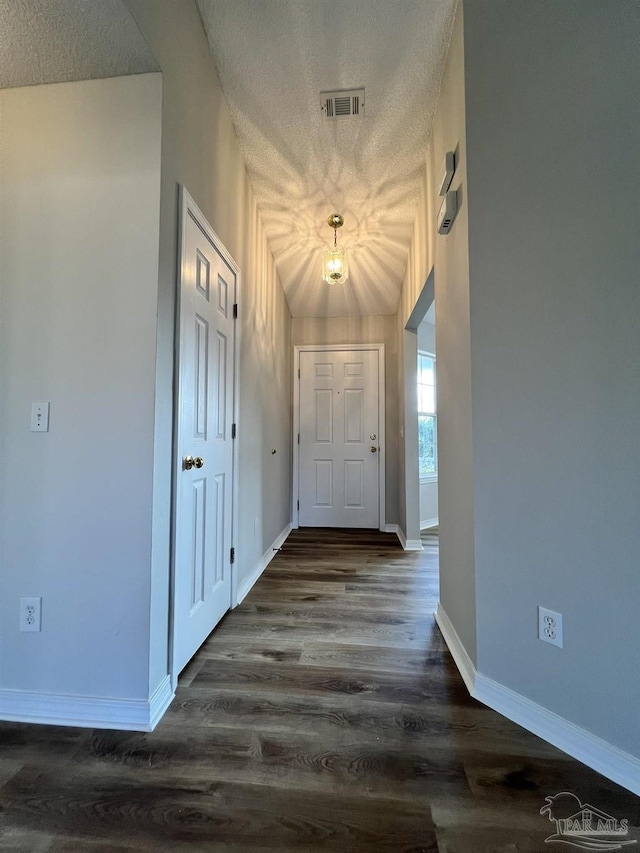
[324,713]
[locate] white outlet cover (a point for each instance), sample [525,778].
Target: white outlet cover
[31,614]
[550,627]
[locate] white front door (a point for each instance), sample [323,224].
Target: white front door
[204,444]
[339,439]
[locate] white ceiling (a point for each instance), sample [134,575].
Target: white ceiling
[274,57]
[55,41]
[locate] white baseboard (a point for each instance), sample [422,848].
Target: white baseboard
[619,766]
[430,522]
[245,586]
[458,652]
[160,700]
[407,544]
[135,715]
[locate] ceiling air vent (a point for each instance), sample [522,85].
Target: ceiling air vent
[348,103]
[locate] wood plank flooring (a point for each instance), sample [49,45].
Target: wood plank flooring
[323,714]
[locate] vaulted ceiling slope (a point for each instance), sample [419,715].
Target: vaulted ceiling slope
[56,41]
[274,57]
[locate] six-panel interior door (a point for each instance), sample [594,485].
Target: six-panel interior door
[339,458]
[202,568]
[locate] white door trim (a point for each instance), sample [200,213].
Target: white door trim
[297,349]
[186,206]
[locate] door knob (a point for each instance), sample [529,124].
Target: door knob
[374,449]
[189,462]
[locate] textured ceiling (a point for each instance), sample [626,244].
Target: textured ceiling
[274,57]
[55,41]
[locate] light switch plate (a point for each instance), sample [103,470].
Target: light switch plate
[40,417]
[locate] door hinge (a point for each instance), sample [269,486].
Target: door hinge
[298,373]
[298,438]
[235,310]
[232,555]
[233,430]
[298,502]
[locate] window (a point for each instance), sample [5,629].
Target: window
[427,430]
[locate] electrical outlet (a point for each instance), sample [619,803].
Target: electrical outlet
[550,626]
[30,614]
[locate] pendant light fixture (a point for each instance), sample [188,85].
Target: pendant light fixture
[335,261]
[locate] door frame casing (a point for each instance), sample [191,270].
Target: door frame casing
[380,349]
[187,206]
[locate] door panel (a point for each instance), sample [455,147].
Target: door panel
[338,473]
[324,417]
[199,490]
[202,563]
[354,483]
[201,360]
[353,416]
[324,482]
[220,510]
[221,388]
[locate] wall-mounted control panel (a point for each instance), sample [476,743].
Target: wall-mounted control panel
[447,212]
[448,171]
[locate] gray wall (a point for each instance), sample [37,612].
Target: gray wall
[200,150]
[442,263]
[91,174]
[409,492]
[80,176]
[427,337]
[428,489]
[538,350]
[553,122]
[453,322]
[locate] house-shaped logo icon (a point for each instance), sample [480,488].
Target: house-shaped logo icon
[584,826]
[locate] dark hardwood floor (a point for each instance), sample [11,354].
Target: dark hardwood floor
[325,713]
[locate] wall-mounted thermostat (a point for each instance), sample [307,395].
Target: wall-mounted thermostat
[448,170]
[447,212]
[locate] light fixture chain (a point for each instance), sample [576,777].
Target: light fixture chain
[335,264]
